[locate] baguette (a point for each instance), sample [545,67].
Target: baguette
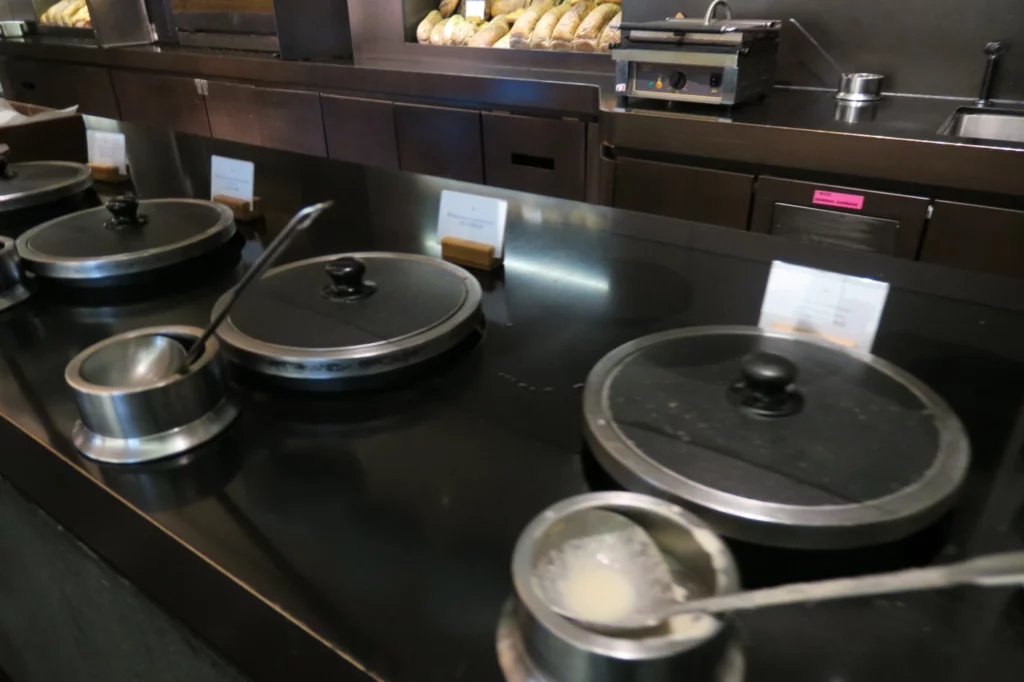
[565,31]
[427,25]
[448,7]
[520,34]
[612,35]
[491,33]
[541,39]
[588,36]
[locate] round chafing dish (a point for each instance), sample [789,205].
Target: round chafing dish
[537,645]
[32,183]
[12,286]
[345,320]
[122,425]
[125,241]
[776,438]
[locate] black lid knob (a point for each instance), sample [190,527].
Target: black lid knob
[125,212]
[996,49]
[768,372]
[5,171]
[348,279]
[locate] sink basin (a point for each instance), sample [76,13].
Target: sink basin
[1002,125]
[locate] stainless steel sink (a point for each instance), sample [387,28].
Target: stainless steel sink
[1002,125]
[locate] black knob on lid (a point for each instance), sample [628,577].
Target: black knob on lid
[348,279]
[125,212]
[5,171]
[767,386]
[996,49]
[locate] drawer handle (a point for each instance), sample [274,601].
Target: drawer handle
[542,162]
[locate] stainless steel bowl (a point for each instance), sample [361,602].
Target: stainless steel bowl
[132,424]
[538,645]
[860,87]
[12,286]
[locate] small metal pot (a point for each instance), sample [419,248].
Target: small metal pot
[537,645]
[12,287]
[125,425]
[860,87]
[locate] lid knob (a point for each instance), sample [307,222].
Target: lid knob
[5,171]
[348,279]
[125,212]
[766,388]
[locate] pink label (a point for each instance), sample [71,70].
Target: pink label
[852,201]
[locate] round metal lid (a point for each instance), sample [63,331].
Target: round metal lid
[126,237]
[38,182]
[351,316]
[12,288]
[779,439]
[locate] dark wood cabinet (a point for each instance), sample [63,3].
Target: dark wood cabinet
[842,217]
[169,102]
[60,86]
[440,141]
[975,238]
[360,130]
[705,196]
[266,117]
[540,155]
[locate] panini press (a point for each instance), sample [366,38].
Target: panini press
[702,61]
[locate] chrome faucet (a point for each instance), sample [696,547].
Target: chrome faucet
[994,52]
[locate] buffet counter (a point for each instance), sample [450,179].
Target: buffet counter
[368,535]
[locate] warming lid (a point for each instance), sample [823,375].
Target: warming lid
[351,316]
[39,182]
[779,439]
[126,237]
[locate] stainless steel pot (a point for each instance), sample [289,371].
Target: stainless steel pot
[536,644]
[122,425]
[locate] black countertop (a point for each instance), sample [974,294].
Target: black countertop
[337,535]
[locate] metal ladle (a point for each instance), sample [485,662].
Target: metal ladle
[165,356]
[655,602]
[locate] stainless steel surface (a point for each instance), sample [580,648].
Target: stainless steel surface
[134,362]
[540,642]
[300,222]
[12,288]
[372,359]
[860,87]
[92,268]
[993,51]
[121,22]
[39,182]
[986,124]
[771,523]
[124,425]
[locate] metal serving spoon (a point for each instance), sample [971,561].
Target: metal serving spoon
[160,357]
[654,601]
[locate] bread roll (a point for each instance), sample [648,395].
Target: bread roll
[448,7]
[604,2]
[611,35]
[588,35]
[461,34]
[541,39]
[513,17]
[520,34]
[565,31]
[82,18]
[437,33]
[67,16]
[491,33]
[503,44]
[426,26]
[499,7]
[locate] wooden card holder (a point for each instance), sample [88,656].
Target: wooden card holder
[102,172]
[242,209]
[469,254]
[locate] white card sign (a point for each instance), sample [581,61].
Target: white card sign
[476,8]
[474,218]
[107,149]
[232,178]
[843,309]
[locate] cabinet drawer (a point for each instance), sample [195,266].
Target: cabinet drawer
[161,101]
[360,130]
[843,217]
[975,238]
[440,141]
[59,86]
[267,117]
[698,194]
[540,155]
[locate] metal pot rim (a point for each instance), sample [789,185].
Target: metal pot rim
[588,640]
[79,182]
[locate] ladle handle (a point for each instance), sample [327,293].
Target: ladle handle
[301,221]
[995,570]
